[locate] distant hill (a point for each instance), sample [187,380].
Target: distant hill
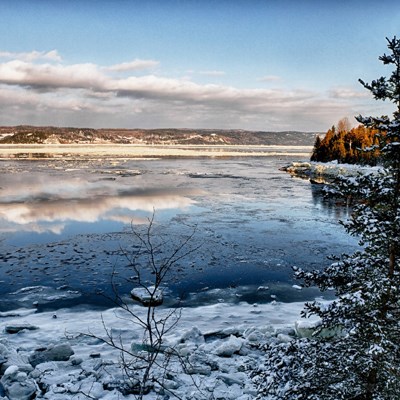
[25,134]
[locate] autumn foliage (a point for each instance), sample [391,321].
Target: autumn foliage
[354,146]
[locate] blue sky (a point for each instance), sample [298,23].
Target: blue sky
[262,65]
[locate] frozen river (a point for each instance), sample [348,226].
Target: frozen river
[64,224]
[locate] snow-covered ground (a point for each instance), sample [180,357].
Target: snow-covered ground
[329,170]
[215,341]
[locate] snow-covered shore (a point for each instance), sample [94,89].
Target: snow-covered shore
[320,172]
[217,341]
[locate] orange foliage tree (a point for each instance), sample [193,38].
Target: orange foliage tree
[357,145]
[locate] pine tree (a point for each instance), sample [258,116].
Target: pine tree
[361,361]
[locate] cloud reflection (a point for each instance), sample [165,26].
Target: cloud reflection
[49,208]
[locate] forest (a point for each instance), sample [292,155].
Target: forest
[359,145]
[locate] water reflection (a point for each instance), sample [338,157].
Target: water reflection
[333,206]
[40,205]
[254,222]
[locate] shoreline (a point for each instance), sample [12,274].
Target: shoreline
[79,151]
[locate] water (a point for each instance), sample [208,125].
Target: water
[66,224]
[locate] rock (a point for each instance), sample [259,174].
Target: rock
[253,335]
[198,369]
[12,329]
[224,392]
[307,329]
[193,335]
[2,392]
[237,378]
[59,352]
[200,363]
[283,338]
[149,297]
[17,385]
[76,360]
[10,356]
[229,347]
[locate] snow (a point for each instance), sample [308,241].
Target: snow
[148,296]
[329,170]
[217,340]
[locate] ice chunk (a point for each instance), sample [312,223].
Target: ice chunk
[149,297]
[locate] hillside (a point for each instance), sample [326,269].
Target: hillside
[25,134]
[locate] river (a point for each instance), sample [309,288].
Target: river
[66,225]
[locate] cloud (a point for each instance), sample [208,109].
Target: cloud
[87,94]
[32,56]
[270,78]
[134,65]
[348,93]
[48,76]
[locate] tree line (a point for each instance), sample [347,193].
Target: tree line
[359,145]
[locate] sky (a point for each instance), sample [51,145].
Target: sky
[270,65]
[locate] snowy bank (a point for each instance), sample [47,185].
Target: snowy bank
[326,172]
[57,360]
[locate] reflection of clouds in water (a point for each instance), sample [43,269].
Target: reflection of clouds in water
[38,227]
[128,219]
[42,214]
[20,187]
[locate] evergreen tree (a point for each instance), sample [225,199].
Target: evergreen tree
[361,361]
[317,150]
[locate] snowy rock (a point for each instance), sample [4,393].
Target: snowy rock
[253,335]
[229,347]
[200,369]
[185,349]
[283,338]
[76,360]
[193,335]
[11,370]
[11,329]
[307,329]
[200,363]
[59,352]
[224,392]
[17,385]
[237,378]
[12,357]
[148,296]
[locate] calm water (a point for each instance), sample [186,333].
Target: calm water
[65,224]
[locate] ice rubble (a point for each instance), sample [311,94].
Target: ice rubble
[217,340]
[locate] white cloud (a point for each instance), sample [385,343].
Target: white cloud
[348,93]
[91,95]
[49,76]
[33,55]
[134,65]
[270,78]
